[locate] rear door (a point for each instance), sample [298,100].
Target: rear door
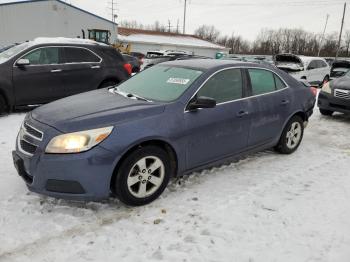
[221,131]
[42,80]
[270,106]
[82,70]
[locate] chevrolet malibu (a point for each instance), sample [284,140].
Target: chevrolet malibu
[169,120]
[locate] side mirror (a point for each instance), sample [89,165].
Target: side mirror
[23,62]
[201,102]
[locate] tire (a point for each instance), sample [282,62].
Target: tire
[326,112]
[107,84]
[292,136]
[135,177]
[325,80]
[3,105]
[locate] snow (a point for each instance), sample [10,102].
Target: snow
[188,41]
[266,207]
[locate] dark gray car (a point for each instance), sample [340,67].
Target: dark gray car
[46,69]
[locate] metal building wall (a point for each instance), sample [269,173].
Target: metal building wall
[25,21]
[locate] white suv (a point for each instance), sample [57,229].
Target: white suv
[315,70]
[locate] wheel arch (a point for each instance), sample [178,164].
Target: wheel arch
[151,142]
[299,113]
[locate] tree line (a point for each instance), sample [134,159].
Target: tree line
[267,42]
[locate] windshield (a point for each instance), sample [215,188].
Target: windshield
[7,54]
[160,83]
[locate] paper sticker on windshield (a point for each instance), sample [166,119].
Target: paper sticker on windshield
[178,81]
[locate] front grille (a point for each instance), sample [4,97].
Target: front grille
[29,139]
[28,147]
[33,131]
[342,93]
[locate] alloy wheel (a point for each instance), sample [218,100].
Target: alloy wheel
[146,176]
[294,135]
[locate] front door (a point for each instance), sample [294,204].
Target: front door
[42,80]
[222,131]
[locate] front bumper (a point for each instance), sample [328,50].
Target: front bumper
[85,176]
[327,101]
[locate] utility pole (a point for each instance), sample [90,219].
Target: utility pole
[184,25]
[169,25]
[113,8]
[322,38]
[341,31]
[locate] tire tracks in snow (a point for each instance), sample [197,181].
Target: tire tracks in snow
[81,229]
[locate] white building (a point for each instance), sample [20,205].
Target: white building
[146,40]
[26,20]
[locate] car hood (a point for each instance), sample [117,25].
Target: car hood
[289,63]
[93,110]
[341,83]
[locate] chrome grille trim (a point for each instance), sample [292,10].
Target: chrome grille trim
[24,135]
[27,128]
[342,93]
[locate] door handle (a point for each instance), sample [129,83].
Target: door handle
[242,113]
[95,67]
[56,70]
[285,102]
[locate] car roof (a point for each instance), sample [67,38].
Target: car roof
[206,64]
[64,40]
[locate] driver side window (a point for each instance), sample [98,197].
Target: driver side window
[43,56]
[225,86]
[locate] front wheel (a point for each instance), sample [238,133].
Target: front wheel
[142,176]
[291,136]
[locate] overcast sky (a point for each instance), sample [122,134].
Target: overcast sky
[243,17]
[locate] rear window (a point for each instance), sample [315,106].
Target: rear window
[160,83]
[262,81]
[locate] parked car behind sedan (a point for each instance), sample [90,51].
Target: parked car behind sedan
[46,69]
[134,62]
[335,96]
[315,70]
[339,68]
[169,120]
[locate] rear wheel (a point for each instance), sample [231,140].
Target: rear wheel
[326,112]
[3,105]
[142,176]
[292,136]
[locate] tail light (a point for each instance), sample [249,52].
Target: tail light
[128,68]
[313,90]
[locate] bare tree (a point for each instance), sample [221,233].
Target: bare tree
[207,32]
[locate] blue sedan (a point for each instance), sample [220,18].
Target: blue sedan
[169,120]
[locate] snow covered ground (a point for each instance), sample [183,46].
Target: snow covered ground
[267,207]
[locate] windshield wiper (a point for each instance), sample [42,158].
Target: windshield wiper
[129,95]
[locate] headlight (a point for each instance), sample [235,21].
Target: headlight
[77,142]
[327,88]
